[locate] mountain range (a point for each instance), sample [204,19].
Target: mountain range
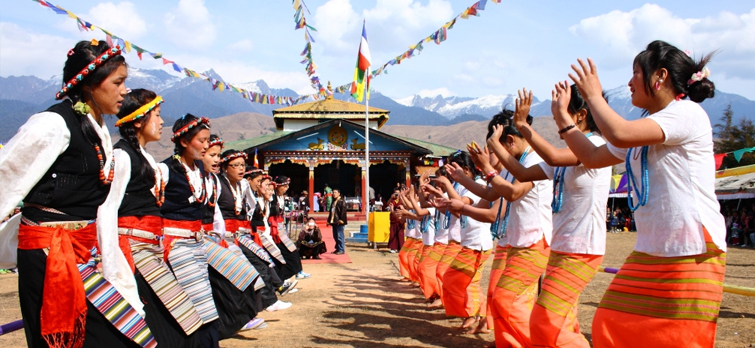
[22,96]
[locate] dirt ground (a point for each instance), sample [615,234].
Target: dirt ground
[362,304]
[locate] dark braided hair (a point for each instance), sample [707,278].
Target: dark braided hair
[82,55]
[131,102]
[178,148]
[464,160]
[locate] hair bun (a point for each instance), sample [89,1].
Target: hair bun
[701,90]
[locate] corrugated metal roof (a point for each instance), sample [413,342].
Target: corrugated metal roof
[436,149]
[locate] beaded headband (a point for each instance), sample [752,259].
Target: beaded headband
[217,141]
[254,171]
[235,155]
[140,112]
[91,67]
[192,124]
[287,182]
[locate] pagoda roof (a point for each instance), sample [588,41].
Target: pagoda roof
[327,109]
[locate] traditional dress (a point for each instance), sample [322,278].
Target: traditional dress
[237,231]
[410,252]
[668,292]
[427,264]
[528,229]
[577,248]
[452,224]
[462,295]
[217,291]
[279,234]
[65,299]
[170,313]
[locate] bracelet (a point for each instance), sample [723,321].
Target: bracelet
[490,176]
[567,128]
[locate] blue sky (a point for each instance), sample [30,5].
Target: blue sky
[511,45]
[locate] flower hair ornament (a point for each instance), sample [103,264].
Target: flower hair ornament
[198,122]
[91,67]
[140,112]
[217,141]
[699,76]
[235,155]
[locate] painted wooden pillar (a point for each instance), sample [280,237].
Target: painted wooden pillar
[311,187]
[407,165]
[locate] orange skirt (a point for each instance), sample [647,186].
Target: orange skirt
[462,294]
[426,270]
[414,255]
[449,254]
[516,292]
[499,264]
[662,301]
[403,258]
[554,318]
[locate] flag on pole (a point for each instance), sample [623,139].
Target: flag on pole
[361,75]
[255,160]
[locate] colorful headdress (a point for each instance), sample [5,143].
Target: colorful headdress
[217,141]
[286,182]
[235,155]
[91,67]
[198,122]
[140,112]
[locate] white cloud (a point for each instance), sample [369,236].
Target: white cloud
[624,34]
[23,52]
[333,20]
[445,92]
[392,25]
[190,24]
[120,19]
[244,45]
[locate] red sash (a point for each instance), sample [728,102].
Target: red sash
[64,304]
[152,224]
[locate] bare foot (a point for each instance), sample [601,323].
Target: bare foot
[482,327]
[437,303]
[468,322]
[405,280]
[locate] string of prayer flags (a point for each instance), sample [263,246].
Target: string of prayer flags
[437,36]
[301,23]
[217,85]
[719,157]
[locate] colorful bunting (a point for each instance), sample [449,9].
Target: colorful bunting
[437,36]
[220,86]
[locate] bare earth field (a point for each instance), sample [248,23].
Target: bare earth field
[362,304]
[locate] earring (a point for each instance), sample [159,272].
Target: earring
[657,86]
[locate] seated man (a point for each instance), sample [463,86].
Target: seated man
[310,241]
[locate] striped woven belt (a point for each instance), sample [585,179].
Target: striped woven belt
[139,233]
[183,233]
[242,231]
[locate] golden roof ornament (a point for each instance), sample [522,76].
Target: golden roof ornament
[330,92]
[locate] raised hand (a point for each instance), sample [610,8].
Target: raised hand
[455,171]
[495,139]
[561,96]
[523,104]
[482,159]
[586,78]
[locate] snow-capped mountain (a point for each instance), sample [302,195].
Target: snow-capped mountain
[487,106]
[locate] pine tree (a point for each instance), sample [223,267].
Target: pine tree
[733,137]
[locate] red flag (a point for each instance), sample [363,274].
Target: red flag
[719,159]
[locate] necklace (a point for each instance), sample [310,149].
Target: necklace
[410,224]
[502,231]
[424,225]
[238,198]
[196,184]
[558,187]
[105,180]
[494,228]
[644,190]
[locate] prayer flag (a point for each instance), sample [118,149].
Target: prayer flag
[363,63]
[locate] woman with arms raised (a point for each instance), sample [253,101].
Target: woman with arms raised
[669,289]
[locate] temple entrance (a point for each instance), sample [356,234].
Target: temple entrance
[384,177]
[298,173]
[340,175]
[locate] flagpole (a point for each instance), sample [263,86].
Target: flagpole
[367,145]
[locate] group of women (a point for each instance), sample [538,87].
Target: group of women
[118,250]
[546,207]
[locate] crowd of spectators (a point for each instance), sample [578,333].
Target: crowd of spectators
[740,227]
